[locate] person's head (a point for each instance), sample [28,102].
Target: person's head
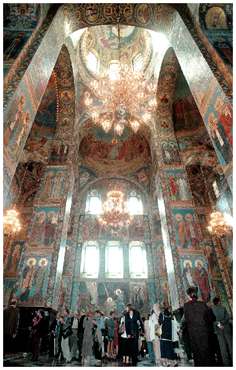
[61,318]
[13,302]
[129,307]
[112,314]
[216,301]
[66,312]
[97,313]
[192,292]
[43,313]
[143,319]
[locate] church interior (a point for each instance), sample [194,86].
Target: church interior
[117,157]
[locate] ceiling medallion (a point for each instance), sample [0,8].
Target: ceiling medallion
[122,98]
[115,213]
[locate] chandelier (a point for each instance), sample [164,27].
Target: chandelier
[126,98]
[11,223]
[218,224]
[115,213]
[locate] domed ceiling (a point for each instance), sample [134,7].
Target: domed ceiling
[100,48]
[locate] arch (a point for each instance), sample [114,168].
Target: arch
[210,101]
[205,88]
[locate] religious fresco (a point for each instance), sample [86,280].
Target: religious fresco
[54,184]
[85,176]
[16,129]
[20,20]
[10,287]
[90,227]
[170,152]
[33,279]
[44,225]
[177,185]
[139,295]
[197,181]
[186,115]
[14,258]
[187,231]
[216,23]
[103,43]
[195,273]
[120,158]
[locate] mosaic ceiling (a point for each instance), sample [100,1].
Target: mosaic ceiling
[123,156]
[100,46]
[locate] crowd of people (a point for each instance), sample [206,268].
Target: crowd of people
[198,332]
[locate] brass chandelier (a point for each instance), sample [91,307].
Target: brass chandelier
[115,213]
[11,222]
[126,98]
[218,224]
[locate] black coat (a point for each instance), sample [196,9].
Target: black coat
[134,324]
[199,320]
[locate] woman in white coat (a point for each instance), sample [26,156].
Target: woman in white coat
[153,325]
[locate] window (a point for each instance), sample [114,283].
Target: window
[93,203]
[114,260]
[92,62]
[90,260]
[113,71]
[138,63]
[137,260]
[135,204]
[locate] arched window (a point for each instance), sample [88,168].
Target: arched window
[137,260]
[93,203]
[114,68]
[114,260]
[135,204]
[90,260]
[137,63]
[92,62]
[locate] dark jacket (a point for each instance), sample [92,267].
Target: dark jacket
[199,320]
[11,320]
[134,324]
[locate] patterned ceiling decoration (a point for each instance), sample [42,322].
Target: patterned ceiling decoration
[103,43]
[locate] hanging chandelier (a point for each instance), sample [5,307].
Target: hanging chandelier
[115,213]
[11,223]
[126,98]
[218,224]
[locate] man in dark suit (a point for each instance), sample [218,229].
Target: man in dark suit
[133,326]
[199,320]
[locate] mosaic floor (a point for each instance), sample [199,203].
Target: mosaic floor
[18,360]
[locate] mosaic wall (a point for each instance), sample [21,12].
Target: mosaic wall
[37,268]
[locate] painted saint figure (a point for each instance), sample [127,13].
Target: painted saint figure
[14,258]
[201,278]
[188,274]
[28,274]
[181,230]
[40,275]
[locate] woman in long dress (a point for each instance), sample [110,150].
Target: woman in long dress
[168,355]
[153,325]
[87,346]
